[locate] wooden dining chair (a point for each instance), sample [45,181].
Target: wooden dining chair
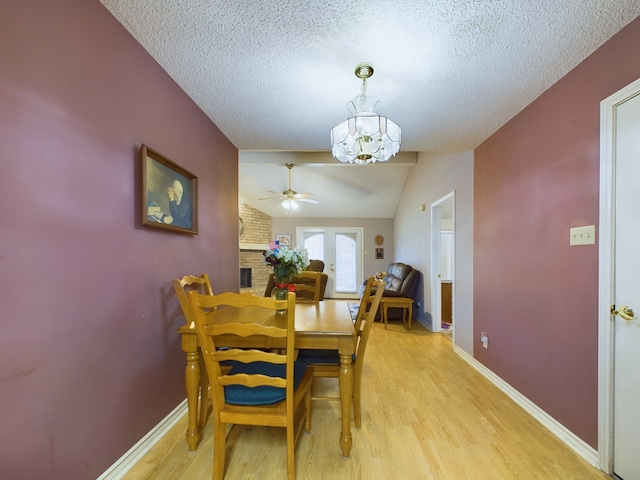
[200,284]
[326,363]
[187,283]
[307,281]
[263,387]
[365,302]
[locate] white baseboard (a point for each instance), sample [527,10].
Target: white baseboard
[146,443]
[423,321]
[570,439]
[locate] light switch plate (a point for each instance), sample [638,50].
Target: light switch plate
[583,235]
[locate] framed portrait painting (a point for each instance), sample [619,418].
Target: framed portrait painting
[169,194]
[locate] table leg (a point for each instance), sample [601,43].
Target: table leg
[345,380]
[192,382]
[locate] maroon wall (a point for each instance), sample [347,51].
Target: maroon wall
[90,357]
[534,295]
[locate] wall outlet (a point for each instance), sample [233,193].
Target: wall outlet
[484,339]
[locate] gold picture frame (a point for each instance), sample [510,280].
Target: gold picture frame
[169,194]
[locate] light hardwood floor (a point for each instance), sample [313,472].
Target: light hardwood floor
[426,415]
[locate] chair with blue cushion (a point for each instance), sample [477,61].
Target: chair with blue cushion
[182,286]
[186,284]
[366,302]
[263,387]
[326,363]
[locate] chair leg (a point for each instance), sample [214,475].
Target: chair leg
[204,395]
[357,415]
[291,446]
[307,412]
[219,449]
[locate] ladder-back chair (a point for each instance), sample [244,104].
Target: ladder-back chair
[307,281]
[326,363]
[263,387]
[200,284]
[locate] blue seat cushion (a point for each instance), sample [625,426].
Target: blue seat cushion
[263,394]
[324,357]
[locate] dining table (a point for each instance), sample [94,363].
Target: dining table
[323,325]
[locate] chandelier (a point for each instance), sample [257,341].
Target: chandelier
[365,136]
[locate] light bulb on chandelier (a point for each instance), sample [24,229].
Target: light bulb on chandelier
[366,136]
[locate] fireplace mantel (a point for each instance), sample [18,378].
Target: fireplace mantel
[254,246]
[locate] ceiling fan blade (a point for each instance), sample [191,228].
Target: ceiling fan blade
[290,194]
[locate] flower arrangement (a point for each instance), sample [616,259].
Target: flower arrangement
[286,262]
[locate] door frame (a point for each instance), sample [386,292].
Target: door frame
[436,290]
[606,258]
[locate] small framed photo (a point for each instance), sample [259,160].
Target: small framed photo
[284,239]
[379,253]
[169,194]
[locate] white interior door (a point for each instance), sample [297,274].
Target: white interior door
[341,251]
[626,384]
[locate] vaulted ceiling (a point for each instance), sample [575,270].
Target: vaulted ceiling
[275,76]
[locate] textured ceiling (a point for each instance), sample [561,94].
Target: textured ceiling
[275,75]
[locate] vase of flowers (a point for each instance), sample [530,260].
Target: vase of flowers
[286,263]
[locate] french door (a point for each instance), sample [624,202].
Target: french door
[341,251]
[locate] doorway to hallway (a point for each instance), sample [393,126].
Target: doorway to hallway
[443,265]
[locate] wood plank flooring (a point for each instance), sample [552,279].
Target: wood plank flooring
[426,415]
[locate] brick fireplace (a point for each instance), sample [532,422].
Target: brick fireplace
[253,241]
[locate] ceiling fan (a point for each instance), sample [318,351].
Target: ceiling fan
[289,197]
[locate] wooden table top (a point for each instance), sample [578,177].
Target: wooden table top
[317,326]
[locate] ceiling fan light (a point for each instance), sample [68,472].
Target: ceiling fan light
[290,204]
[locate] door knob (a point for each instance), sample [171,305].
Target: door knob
[624,312]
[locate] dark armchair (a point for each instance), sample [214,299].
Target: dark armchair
[401,281]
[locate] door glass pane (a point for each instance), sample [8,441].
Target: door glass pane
[346,262]
[314,243]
